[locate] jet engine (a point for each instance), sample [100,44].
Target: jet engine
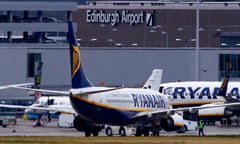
[88,127]
[214,113]
[79,123]
[172,122]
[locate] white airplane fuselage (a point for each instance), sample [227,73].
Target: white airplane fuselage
[197,92]
[61,102]
[123,103]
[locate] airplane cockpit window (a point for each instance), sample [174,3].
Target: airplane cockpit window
[161,89]
[167,90]
[40,102]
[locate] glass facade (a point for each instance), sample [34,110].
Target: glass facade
[230,40]
[31,21]
[225,60]
[33,17]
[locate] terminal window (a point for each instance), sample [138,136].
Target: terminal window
[230,40]
[234,60]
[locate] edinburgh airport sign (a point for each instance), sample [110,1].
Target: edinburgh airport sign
[119,17]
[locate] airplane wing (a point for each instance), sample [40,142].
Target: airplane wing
[15,85]
[190,109]
[68,93]
[52,109]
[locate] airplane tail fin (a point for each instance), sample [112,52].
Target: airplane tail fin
[223,89]
[154,80]
[79,80]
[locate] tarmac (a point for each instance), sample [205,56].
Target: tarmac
[26,128]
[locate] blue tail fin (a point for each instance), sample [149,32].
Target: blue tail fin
[223,89]
[79,80]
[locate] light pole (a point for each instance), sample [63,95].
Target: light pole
[197,63]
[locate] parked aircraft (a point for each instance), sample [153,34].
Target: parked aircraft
[205,93]
[43,115]
[225,112]
[195,93]
[63,102]
[114,105]
[47,102]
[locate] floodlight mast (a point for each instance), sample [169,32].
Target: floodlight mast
[197,54]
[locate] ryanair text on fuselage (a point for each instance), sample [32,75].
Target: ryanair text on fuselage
[198,92]
[148,101]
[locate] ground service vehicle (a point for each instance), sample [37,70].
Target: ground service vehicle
[119,130]
[4,121]
[65,120]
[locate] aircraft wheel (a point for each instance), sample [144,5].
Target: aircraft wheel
[108,131]
[122,131]
[95,132]
[87,133]
[182,130]
[185,128]
[155,133]
[146,131]
[138,131]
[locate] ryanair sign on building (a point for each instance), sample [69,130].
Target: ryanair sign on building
[119,17]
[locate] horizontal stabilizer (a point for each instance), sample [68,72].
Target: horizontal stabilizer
[15,85]
[81,92]
[55,109]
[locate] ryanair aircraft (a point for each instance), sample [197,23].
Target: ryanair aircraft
[194,93]
[144,108]
[225,112]
[205,93]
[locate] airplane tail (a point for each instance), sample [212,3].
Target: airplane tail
[154,80]
[223,89]
[79,80]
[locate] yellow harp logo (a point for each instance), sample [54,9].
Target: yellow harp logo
[75,60]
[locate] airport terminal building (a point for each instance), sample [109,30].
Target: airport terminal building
[121,41]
